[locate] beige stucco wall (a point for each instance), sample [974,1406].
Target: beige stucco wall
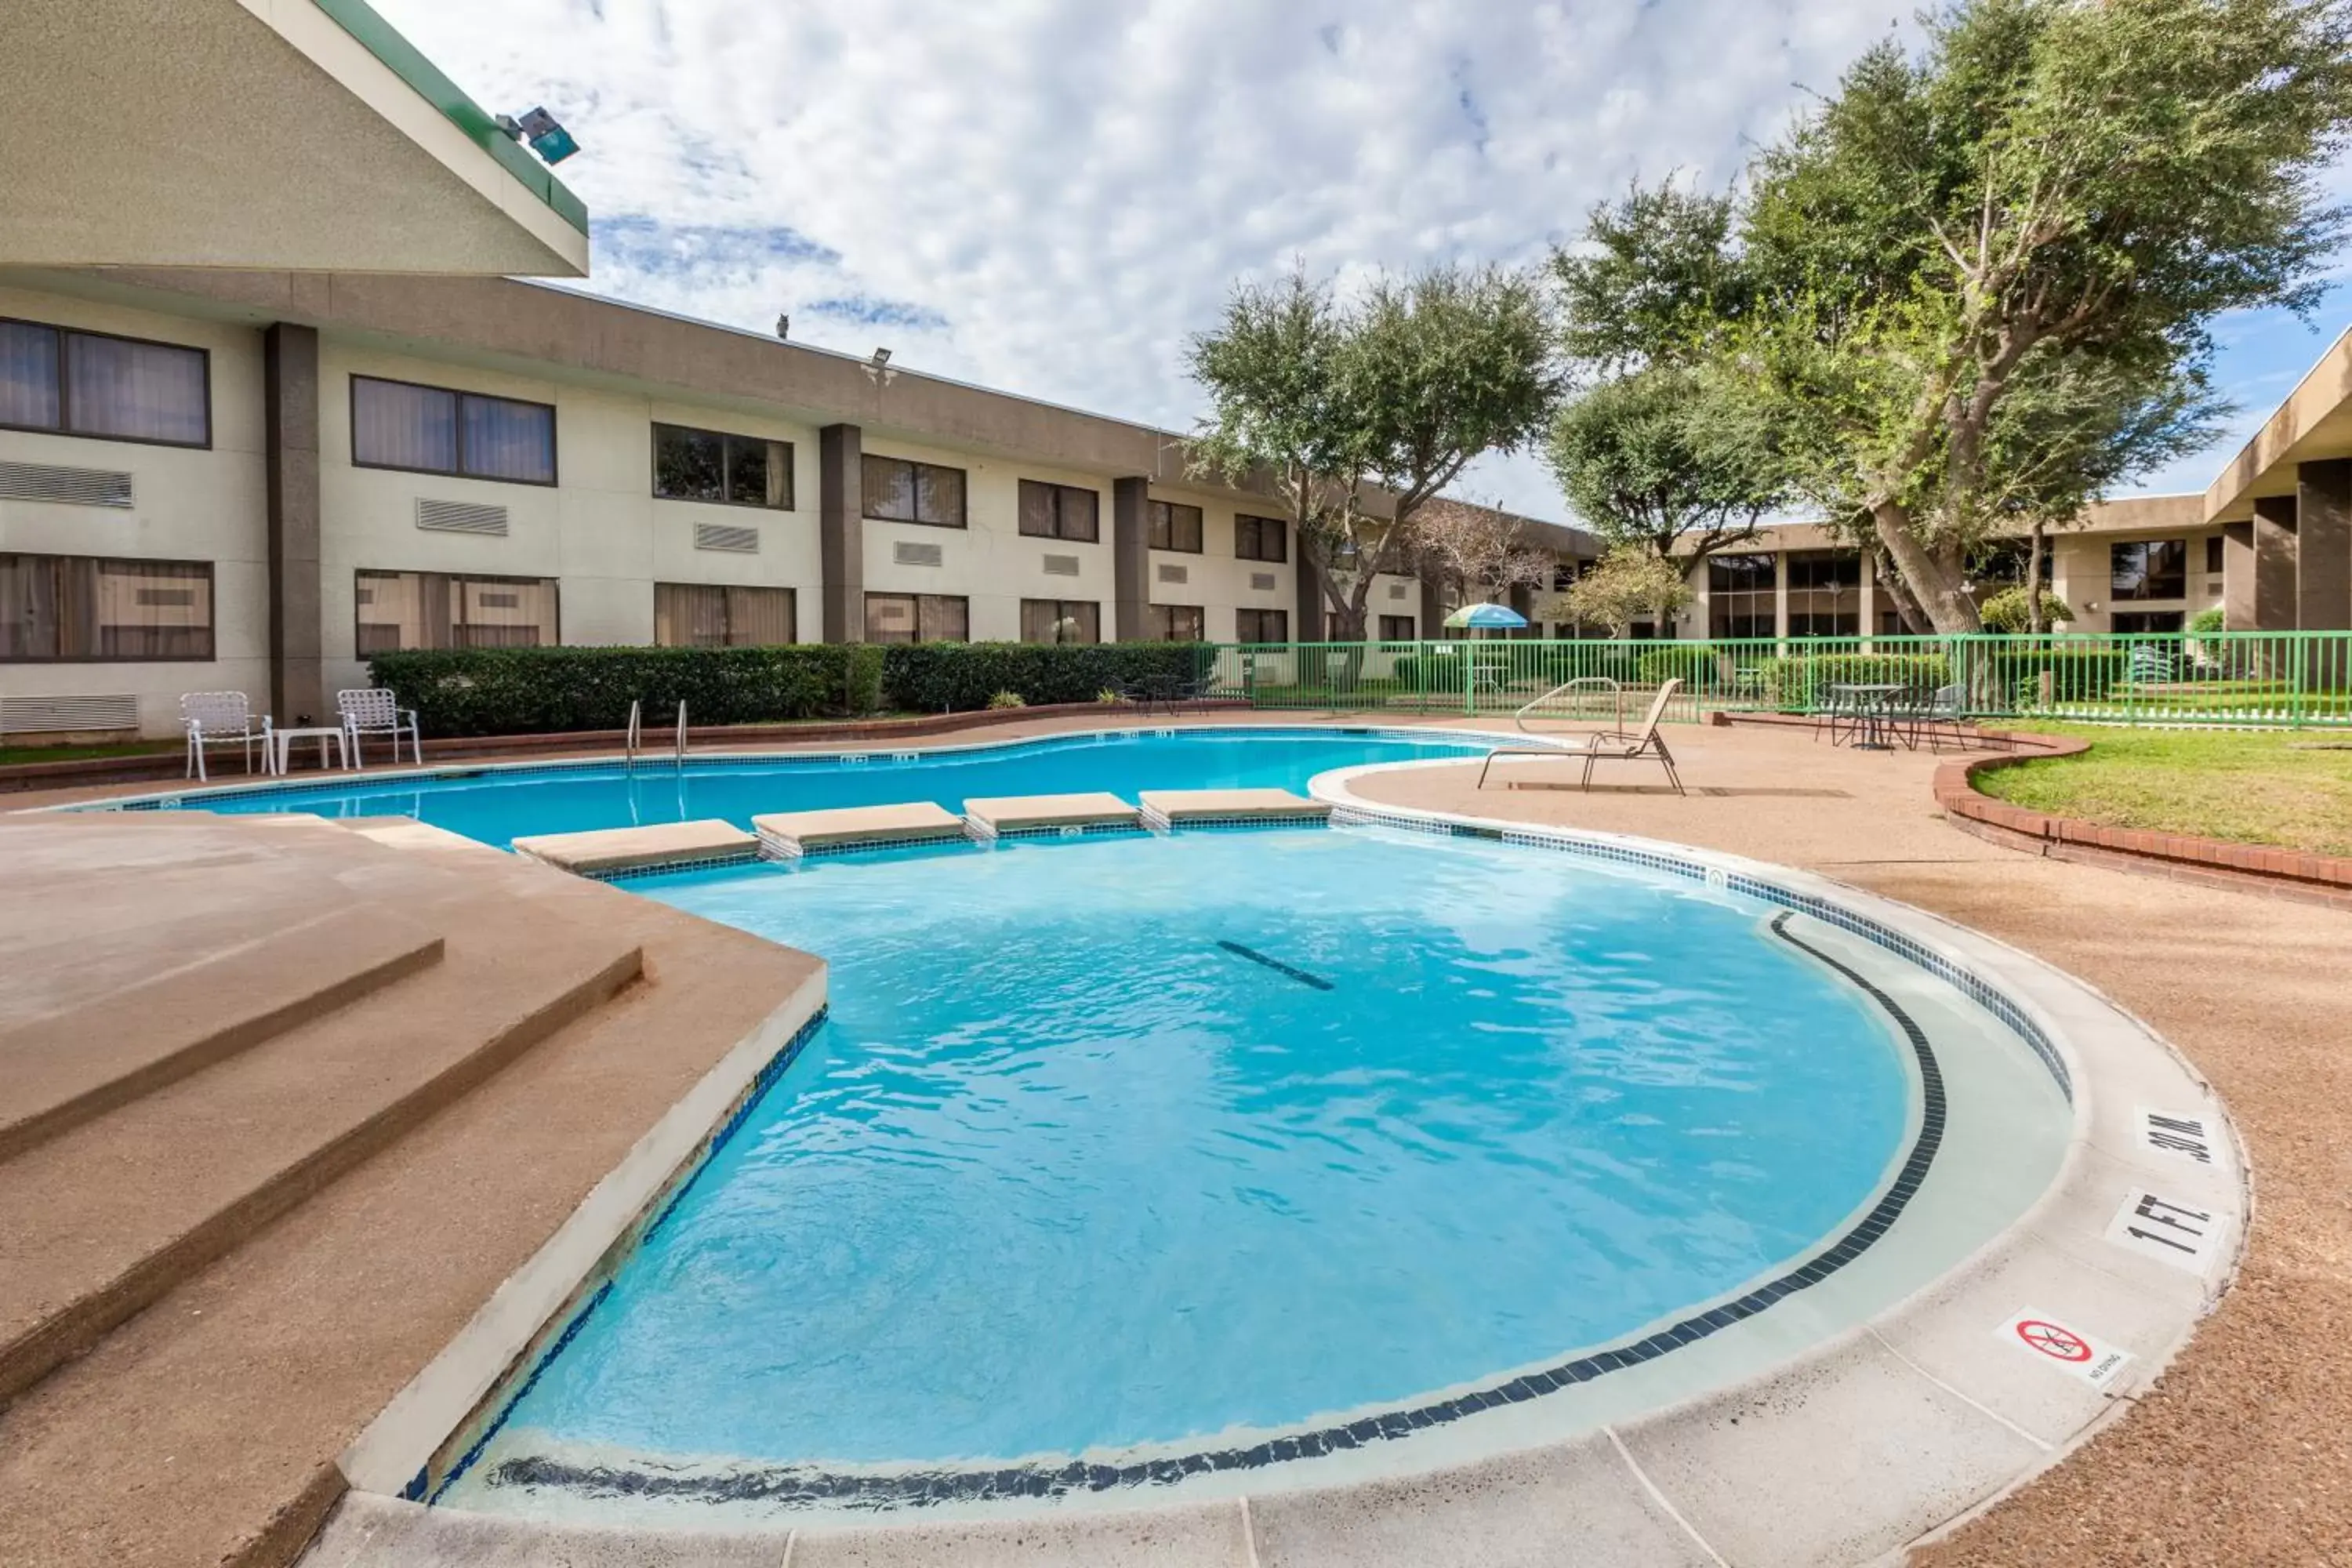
[1215,581]
[599,529]
[189,504]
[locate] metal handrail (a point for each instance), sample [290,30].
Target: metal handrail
[1588,682]
[634,735]
[681,735]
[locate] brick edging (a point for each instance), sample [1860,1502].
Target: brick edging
[2213,862]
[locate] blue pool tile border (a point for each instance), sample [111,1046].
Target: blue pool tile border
[804,1486]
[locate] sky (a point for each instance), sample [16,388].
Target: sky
[1050,196]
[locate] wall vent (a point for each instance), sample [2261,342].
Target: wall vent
[1261,581]
[906,553]
[460,517]
[66,715]
[76,486]
[1061,565]
[1396,590]
[727,536]
[1171,572]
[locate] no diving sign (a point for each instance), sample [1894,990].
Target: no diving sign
[2068,1350]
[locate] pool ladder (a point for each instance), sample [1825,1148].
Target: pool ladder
[635,736]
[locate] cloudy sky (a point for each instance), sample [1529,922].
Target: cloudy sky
[1048,195]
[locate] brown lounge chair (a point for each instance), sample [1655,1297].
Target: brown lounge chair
[1607,745]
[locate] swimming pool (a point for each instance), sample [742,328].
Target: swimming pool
[496,805]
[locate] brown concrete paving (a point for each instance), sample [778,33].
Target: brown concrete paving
[204,1430]
[2242,1452]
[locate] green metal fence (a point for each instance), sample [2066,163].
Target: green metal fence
[2229,678]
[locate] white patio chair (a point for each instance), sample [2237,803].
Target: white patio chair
[373,711]
[1608,745]
[222,719]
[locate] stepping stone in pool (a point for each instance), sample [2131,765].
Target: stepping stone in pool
[789,835]
[991,816]
[1207,807]
[609,849]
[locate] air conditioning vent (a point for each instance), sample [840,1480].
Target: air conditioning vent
[66,715]
[460,517]
[727,536]
[908,554]
[1173,574]
[1396,590]
[76,486]
[1262,581]
[1061,565]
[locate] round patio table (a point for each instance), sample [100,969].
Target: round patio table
[1871,700]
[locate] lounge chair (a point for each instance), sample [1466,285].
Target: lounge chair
[222,719]
[1607,745]
[373,711]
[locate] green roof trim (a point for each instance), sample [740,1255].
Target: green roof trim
[382,40]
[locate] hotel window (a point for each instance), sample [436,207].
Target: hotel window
[917,618]
[1824,594]
[711,466]
[2003,562]
[2135,622]
[1176,623]
[705,614]
[1060,620]
[83,609]
[433,430]
[115,389]
[2152,568]
[1175,527]
[1059,511]
[1262,625]
[1396,628]
[395,611]
[1741,596]
[1259,539]
[2213,553]
[900,490]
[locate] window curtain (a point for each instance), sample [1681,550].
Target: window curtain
[400,426]
[509,440]
[147,391]
[29,375]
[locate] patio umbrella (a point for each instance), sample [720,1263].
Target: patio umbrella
[1481,615]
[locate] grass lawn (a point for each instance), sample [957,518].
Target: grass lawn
[11,754]
[2288,788]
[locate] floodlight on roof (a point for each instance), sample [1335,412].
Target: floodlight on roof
[881,358]
[543,132]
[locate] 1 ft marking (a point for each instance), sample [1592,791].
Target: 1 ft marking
[2180,1136]
[2179,1234]
[2068,1350]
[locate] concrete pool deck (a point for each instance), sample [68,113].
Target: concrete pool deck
[2237,1451]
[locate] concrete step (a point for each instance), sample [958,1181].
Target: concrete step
[102,1219]
[67,1067]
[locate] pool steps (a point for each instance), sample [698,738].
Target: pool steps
[796,835]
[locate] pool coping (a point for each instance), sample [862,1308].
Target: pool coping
[2106,1153]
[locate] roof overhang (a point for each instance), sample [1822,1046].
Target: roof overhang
[2315,422]
[297,134]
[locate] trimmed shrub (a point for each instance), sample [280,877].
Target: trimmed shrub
[2079,672]
[1801,683]
[542,690]
[954,677]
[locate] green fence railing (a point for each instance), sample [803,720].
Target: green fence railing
[2224,679]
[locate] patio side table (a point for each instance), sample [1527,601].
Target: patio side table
[323,735]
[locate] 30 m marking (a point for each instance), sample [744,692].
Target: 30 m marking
[2181,1135]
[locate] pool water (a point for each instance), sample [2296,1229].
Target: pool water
[495,806]
[1138,1140]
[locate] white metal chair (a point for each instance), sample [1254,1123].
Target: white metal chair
[1608,745]
[373,711]
[222,719]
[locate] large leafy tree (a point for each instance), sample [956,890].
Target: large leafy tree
[1361,413]
[2027,229]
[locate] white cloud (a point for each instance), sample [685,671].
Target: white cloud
[1048,195]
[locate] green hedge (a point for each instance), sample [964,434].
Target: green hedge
[1801,683]
[540,691]
[2078,672]
[943,677]
[1518,664]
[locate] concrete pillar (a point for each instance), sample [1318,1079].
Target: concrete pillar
[290,394]
[1130,558]
[2274,564]
[841,531]
[2238,577]
[1780,594]
[1433,611]
[1521,598]
[2323,545]
[1306,597]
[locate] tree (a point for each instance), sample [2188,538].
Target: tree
[1627,585]
[1658,457]
[2012,611]
[1480,552]
[2050,202]
[1363,414]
